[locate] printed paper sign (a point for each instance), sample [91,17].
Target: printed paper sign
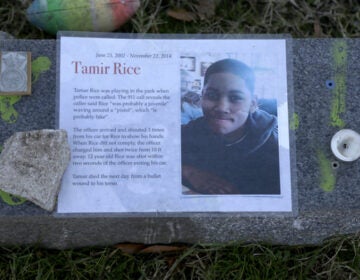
[174,125]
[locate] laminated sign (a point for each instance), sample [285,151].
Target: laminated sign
[176,124]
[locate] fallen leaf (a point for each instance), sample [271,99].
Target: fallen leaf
[206,8]
[181,14]
[134,248]
[317,29]
[170,261]
[130,248]
[162,249]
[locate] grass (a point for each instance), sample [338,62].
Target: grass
[311,18]
[337,258]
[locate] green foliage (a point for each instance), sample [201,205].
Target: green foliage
[326,18]
[337,258]
[311,18]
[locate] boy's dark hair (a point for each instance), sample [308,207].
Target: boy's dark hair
[235,67]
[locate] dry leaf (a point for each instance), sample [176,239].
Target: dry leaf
[162,249]
[134,248]
[171,260]
[317,29]
[130,248]
[181,14]
[206,8]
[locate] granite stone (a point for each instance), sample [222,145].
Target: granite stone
[32,164]
[321,213]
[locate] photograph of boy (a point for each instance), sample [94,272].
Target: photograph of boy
[233,147]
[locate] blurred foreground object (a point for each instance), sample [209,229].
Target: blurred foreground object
[82,15]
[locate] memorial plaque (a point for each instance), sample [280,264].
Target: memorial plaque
[15,73]
[123,102]
[326,100]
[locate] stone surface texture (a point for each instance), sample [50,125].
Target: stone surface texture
[321,213]
[6,36]
[32,165]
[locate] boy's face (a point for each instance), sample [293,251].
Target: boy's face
[226,103]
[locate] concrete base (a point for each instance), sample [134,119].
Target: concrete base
[327,195]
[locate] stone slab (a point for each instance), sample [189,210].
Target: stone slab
[327,198]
